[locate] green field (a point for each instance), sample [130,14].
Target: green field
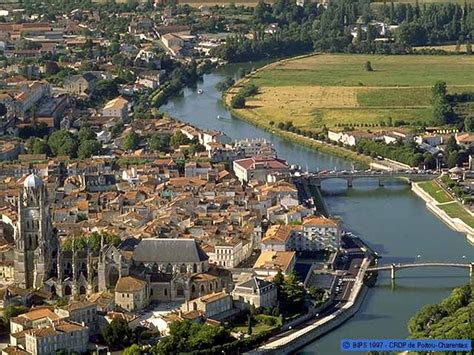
[435,191]
[257,328]
[335,89]
[389,71]
[454,210]
[411,97]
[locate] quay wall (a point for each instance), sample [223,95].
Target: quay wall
[300,338]
[324,328]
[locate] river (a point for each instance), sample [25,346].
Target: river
[391,219]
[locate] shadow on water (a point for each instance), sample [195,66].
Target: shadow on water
[419,288]
[368,317]
[366,191]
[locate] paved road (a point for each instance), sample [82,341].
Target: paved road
[341,298]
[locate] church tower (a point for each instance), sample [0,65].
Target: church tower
[35,241]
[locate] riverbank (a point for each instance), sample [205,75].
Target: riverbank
[311,143]
[392,220]
[434,206]
[299,338]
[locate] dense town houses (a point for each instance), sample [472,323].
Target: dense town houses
[111,211]
[178,234]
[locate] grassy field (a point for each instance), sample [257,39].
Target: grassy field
[435,191]
[333,89]
[348,70]
[446,47]
[454,210]
[257,328]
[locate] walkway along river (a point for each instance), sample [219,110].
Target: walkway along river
[391,219]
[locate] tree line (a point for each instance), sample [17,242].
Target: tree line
[312,27]
[82,145]
[450,319]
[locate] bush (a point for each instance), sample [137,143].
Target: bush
[238,101]
[267,320]
[249,90]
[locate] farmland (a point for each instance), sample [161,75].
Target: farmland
[336,89]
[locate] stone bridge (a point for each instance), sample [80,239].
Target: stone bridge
[394,267]
[315,179]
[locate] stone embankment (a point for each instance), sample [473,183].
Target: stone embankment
[432,205]
[301,337]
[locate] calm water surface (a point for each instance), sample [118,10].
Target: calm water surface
[391,219]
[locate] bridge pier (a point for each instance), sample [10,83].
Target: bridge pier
[471,271]
[393,270]
[315,182]
[349,182]
[381,182]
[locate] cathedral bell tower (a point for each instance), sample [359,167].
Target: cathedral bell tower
[35,241]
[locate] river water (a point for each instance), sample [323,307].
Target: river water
[391,219]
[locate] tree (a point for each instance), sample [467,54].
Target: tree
[131,140]
[429,161]
[89,148]
[155,143]
[105,89]
[412,34]
[63,142]
[451,319]
[368,66]
[238,101]
[317,294]
[135,349]
[453,159]
[442,110]
[178,138]
[249,324]
[186,336]
[40,147]
[117,333]
[12,311]
[86,133]
[291,294]
[469,124]
[451,145]
[439,90]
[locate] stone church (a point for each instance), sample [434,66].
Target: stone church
[174,269]
[36,244]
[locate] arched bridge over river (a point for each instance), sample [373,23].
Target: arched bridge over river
[315,179]
[393,268]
